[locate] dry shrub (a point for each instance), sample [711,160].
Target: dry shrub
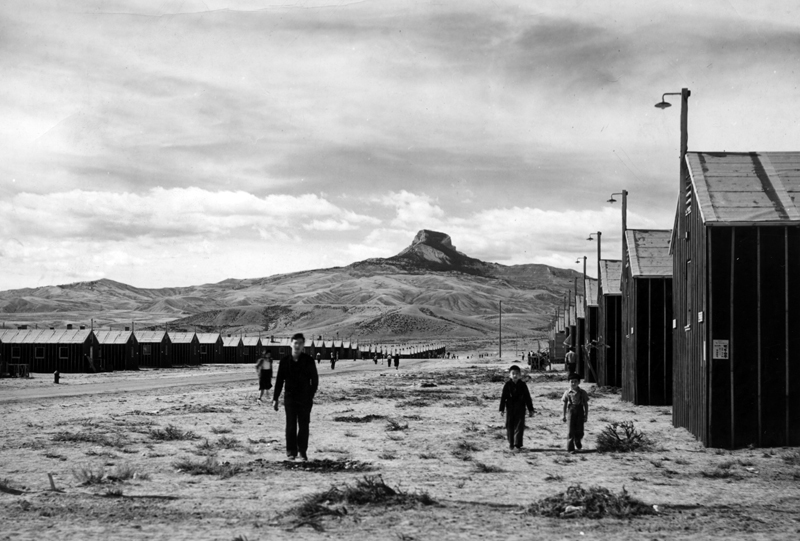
[463,450]
[553,395]
[480,467]
[388,455]
[209,466]
[622,437]
[172,433]
[228,443]
[220,430]
[368,491]
[328,465]
[88,475]
[393,425]
[551,477]
[90,437]
[594,502]
[357,419]
[720,473]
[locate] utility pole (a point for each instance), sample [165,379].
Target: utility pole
[501,329]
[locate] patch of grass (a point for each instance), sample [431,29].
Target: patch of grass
[220,430]
[463,450]
[728,464]
[328,465]
[551,477]
[209,466]
[350,434]
[471,427]
[89,437]
[388,455]
[394,437]
[172,433]
[553,395]
[357,419]
[87,475]
[720,473]
[428,456]
[792,458]
[228,443]
[480,467]
[415,403]
[622,437]
[50,454]
[113,493]
[393,425]
[682,461]
[594,503]
[206,448]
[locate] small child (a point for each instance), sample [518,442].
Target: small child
[264,371]
[576,403]
[515,399]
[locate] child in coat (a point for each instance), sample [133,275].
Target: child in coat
[516,398]
[576,412]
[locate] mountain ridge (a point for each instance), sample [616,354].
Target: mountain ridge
[428,283]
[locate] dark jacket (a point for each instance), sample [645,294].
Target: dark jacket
[300,377]
[516,396]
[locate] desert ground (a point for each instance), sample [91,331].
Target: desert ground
[202,460]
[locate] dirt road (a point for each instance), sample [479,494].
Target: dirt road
[118,386]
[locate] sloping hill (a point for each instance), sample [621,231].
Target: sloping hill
[428,289]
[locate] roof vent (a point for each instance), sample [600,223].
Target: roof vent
[69,326]
[22,327]
[127,328]
[83,327]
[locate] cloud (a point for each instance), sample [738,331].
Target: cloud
[168,213]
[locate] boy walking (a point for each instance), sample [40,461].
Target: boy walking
[298,371]
[576,412]
[516,398]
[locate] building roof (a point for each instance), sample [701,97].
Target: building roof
[610,274]
[150,337]
[113,337]
[181,337]
[590,286]
[251,341]
[207,337]
[48,336]
[231,341]
[746,187]
[648,252]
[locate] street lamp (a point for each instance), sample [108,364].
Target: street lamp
[599,252]
[624,194]
[663,104]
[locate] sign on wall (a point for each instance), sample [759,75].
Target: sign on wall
[721,349]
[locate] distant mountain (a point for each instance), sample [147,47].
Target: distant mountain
[428,289]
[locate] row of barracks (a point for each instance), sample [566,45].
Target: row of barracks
[705,316]
[86,350]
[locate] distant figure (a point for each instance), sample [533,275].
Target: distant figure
[375,358]
[264,371]
[569,360]
[389,360]
[396,361]
[319,357]
[333,361]
[298,371]
[576,409]
[514,400]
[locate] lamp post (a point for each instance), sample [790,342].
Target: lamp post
[599,252]
[624,194]
[663,104]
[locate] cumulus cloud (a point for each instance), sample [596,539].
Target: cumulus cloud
[168,212]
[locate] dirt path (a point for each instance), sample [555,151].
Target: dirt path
[117,386]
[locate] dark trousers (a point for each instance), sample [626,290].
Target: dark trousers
[515,427]
[298,417]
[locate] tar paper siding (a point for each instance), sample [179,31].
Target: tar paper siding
[590,333]
[609,350]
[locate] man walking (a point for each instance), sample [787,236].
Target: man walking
[299,373]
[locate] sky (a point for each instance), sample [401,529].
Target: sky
[167,143]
